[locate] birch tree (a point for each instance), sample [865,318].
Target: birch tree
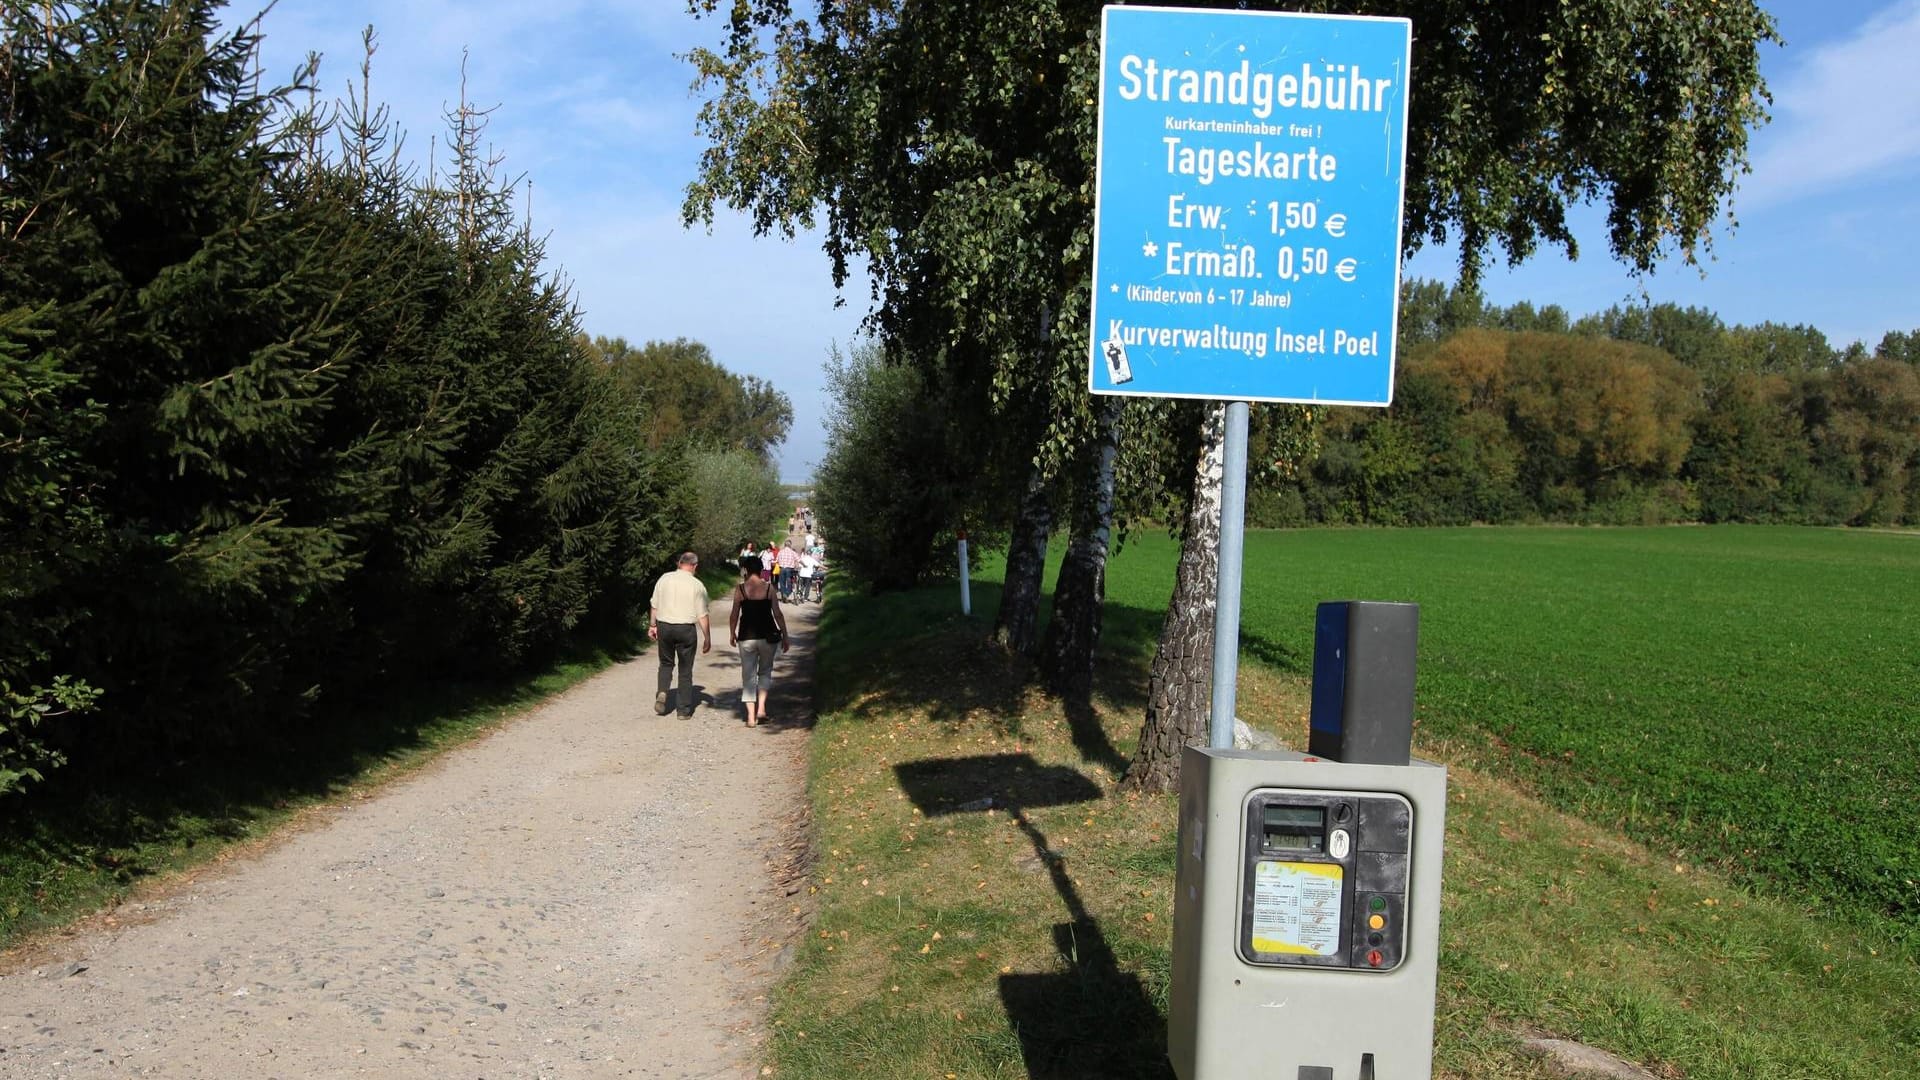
[950,148]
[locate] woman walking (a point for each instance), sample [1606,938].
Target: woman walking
[756,626]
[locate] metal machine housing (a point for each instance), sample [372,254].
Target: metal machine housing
[1280,970]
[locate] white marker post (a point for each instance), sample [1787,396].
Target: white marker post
[966,588]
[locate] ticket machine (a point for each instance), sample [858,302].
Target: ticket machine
[1307,914]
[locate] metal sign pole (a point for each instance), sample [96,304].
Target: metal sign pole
[1248,181]
[1226,611]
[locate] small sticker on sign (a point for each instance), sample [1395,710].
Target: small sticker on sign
[1118,369]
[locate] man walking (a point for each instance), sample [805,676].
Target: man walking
[789,560]
[679,606]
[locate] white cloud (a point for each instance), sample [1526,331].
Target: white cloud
[1850,110]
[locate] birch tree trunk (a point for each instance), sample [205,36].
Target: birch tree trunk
[1013,624]
[1066,656]
[1180,683]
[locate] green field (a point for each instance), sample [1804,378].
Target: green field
[1576,681]
[1747,696]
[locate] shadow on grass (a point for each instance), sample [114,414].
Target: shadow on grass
[1273,653]
[915,652]
[1090,736]
[88,835]
[951,671]
[963,785]
[1092,1020]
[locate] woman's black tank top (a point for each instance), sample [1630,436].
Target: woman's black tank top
[756,618]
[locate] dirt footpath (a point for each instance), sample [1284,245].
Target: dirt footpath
[590,891]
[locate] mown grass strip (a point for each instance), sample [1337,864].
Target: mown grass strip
[1031,937]
[89,842]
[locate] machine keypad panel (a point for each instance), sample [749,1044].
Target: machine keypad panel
[1324,878]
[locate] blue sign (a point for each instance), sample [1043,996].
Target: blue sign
[1247,205]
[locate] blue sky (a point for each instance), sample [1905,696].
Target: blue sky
[593,107]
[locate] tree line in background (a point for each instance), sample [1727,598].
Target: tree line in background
[949,150]
[1636,415]
[283,425]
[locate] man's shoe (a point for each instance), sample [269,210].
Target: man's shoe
[660,703]
[686,714]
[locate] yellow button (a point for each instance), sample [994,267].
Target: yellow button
[1375,922]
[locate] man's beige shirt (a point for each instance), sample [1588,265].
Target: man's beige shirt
[678,597]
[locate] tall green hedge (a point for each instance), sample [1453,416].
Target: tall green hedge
[278,425]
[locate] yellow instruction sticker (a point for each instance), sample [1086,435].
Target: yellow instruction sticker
[1296,908]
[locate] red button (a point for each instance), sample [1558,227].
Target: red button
[1375,958]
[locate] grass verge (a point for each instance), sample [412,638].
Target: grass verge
[79,847]
[1031,937]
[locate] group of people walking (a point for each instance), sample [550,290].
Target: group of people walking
[792,571]
[796,569]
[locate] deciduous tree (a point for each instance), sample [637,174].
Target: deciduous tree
[690,399]
[949,146]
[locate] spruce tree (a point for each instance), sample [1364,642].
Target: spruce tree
[139,145]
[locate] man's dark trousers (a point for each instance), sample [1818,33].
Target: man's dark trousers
[678,642]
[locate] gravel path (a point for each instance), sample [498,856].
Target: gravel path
[590,891]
